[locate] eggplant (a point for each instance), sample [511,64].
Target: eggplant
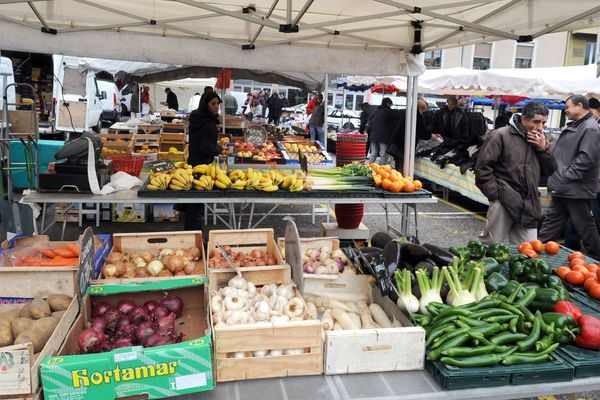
[380,239]
[391,269]
[444,291]
[427,264]
[393,296]
[414,253]
[392,253]
[440,256]
[416,290]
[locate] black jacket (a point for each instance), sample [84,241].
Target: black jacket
[450,124]
[172,101]
[577,152]
[275,104]
[364,117]
[396,143]
[203,138]
[382,123]
[509,169]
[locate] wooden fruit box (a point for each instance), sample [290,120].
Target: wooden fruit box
[151,139]
[368,350]
[22,379]
[153,242]
[174,128]
[313,243]
[244,240]
[27,282]
[230,339]
[149,129]
[117,140]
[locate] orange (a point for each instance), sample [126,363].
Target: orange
[386,168]
[377,179]
[418,184]
[383,173]
[396,186]
[409,186]
[386,184]
[374,166]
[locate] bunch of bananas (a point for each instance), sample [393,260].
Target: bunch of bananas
[293,184]
[237,174]
[222,181]
[205,182]
[159,181]
[181,179]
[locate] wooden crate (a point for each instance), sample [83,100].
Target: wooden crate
[27,282]
[368,350]
[244,240]
[313,243]
[266,336]
[174,128]
[32,387]
[154,242]
[149,129]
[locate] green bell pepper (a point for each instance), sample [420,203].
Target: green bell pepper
[545,298]
[495,282]
[499,251]
[477,249]
[517,258]
[510,287]
[553,281]
[565,326]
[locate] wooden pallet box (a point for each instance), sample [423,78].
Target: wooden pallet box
[129,243]
[368,350]
[174,128]
[21,380]
[244,240]
[149,129]
[230,339]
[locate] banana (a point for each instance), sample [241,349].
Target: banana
[221,185]
[239,185]
[224,179]
[180,164]
[298,186]
[153,187]
[249,173]
[271,188]
[200,169]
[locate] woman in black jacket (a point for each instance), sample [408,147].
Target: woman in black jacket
[203,148]
[382,123]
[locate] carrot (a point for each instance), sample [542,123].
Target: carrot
[73,248]
[49,253]
[29,261]
[60,262]
[64,252]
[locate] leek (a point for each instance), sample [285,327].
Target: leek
[338,183]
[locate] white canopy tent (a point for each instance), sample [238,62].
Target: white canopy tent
[360,37]
[550,83]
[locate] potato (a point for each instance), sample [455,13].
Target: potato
[25,311]
[6,334]
[59,302]
[39,333]
[39,308]
[11,315]
[59,314]
[20,325]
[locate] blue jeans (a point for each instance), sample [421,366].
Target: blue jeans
[317,130]
[379,149]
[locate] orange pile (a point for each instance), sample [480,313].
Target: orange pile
[388,178]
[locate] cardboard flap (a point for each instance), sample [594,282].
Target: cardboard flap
[293,254]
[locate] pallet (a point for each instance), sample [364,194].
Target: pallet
[229,339]
[154,242]
[368,350]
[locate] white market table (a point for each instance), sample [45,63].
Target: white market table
[403,203]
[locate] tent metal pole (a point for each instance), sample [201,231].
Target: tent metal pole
[325,99]
[566,22]
[288,16]
[409,131]
[260,28]
[413,134]
[302,11]
[38,15]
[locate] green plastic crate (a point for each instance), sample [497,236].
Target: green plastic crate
[585,362]
[454,378]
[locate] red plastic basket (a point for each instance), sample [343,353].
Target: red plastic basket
[129,164]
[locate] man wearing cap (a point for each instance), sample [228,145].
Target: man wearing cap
[595,108]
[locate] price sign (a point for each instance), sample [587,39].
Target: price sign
[293,255]
[86,265]
[303,161]
[161,165]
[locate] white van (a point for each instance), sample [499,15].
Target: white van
[76,98]
[7,78]
[108,98]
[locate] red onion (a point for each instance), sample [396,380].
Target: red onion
[99,309]
[168,321]
[111,317]
[122,342]
[126,306]
[138,315]
[150,305]
[308,267]
[123,321]
[126,332]
[91,341]
[159,312]
[98,324]
[340,265]
[173,304]
[143,331]
[158,340]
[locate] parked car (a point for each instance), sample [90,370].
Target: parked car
[343,119]
[125,100]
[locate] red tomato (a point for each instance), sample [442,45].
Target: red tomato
[595,291]
[592,267]
[576,254]
[578,261]
[562,271]
[580,268]
[589,282]
[552,247]
[575,278]
[537,245]
[598,274]
[589,275]
[529,253]
[524,246]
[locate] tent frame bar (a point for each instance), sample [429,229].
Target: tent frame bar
[303,11]
[38,15]
[566,22]
[260,28]
[244,17]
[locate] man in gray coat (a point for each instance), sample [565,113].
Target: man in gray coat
[508,170]
[575,182]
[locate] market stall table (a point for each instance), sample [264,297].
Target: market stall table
[402,202]
[450,178]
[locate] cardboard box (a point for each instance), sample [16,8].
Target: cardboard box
[165,213]
[156,372]
[128,212]
[21,378]
[28,282]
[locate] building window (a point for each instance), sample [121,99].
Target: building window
[590,53]
[523,56]
[482,55]
[359,100]
[433,59]
[349,102]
